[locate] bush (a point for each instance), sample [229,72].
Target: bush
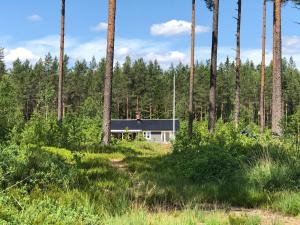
[293,127]
[288,202]
[56,207]
[235,168]
[29,166]
[76,132]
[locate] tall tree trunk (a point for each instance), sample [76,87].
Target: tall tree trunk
[192,73]
[277,86]
[137,104]
[213,69]
[127,107]
[263,69]
[61,64]
[238,66]
[109,72]
[118,108]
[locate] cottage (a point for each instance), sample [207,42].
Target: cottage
[158,130]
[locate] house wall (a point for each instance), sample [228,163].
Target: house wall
[156,137]
[161,137]
[152,136]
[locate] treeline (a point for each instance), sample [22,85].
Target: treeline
[141,86]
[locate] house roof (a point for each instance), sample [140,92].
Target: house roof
[144,125]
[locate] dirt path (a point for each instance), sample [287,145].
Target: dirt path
[267,217]
[119,164]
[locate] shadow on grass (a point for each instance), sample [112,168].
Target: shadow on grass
[243,177]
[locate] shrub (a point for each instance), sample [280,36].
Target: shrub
[29,166]
[76,132]
[288,203]
[235,168]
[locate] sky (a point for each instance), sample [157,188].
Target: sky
[156,29]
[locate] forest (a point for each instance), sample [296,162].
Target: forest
[140,86]
[235,159]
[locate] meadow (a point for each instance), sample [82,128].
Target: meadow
[225,178]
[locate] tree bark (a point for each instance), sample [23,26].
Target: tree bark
[61,64]
[263,68]
[213,69]
[127,107]
[277,86]
[109,72]
[192,74]
[238,66]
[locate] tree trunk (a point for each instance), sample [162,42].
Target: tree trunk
[61,64]
[213,69]
[137,104]
[263,68]
[238,66]
[192,73]
[222,110]
[127,107]
[201,113]
[118,108]
[277,86]
[109,72]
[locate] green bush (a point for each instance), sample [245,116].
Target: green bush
[292,128]
[56,207]
[75,132]
[288,202]
[242,169]
[30,166]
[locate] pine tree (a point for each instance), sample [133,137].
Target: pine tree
[238,65]
[263,65]
[109,72]
[2,64]
[192,74]
[277,86]
[61,64]
[213,70]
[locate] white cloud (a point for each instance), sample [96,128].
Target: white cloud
[21,53]
[176,27]
[37,48]
[169,57]
[291,45]
[51,42]
[100,27]
[34,18]
[166,53]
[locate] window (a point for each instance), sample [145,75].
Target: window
[147,135]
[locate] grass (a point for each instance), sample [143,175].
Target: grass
[150,180]
[138,183]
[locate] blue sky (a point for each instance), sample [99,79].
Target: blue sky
[149,29]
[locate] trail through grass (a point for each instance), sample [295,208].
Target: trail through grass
[147,191]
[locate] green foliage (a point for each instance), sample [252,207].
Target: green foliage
[30,166]
[32,89]
[75,132]
[293,127]
[135,182]
[71,207]
[288,202]
[237,168]
[10,114]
